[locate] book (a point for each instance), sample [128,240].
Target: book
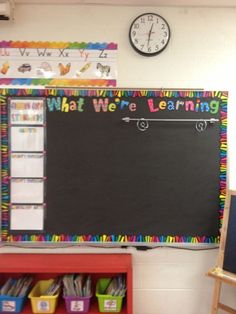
[16,287]
[77,285]
[117,286]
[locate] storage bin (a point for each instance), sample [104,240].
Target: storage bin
[12,304]
[107,303]
[76,304]
[43,303]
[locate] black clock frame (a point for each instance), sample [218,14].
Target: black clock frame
[146,54]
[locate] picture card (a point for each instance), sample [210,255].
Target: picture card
[27,217]
[27,139]
[27,111]
[27,165]
[27,191]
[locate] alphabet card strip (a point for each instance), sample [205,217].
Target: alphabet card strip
[58,63]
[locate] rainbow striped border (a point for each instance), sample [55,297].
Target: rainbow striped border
[58,45]
[4,168]
[223,157]
[58,82]
[4,93]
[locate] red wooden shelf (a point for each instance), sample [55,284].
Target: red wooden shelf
[54,263]
[50,265]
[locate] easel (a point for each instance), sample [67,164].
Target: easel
[220,275]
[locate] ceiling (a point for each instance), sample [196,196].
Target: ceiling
[186,3]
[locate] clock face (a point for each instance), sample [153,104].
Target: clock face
[149,34]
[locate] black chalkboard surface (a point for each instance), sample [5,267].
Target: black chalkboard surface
[230,244]
[106,175]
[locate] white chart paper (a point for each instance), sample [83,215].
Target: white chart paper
[27,217]
[27,111]
[27,191]
[27,165]
[27,139]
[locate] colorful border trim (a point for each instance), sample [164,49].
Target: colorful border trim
[57,45]
[58,82]
[5,168]
[223,157]
[108,93]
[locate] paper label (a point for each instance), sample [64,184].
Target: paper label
[43,306]
[8,306]
[77,306]
[110,305]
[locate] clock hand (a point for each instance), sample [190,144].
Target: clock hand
[149,34]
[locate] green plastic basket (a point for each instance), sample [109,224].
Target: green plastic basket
[107,303]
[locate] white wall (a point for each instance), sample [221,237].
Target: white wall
[201,54]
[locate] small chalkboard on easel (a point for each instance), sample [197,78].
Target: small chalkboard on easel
[225,270]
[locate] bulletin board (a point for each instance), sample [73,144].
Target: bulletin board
[120,166]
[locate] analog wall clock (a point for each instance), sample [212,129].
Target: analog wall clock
[149,34]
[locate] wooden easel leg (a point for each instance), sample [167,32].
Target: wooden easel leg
[216,296]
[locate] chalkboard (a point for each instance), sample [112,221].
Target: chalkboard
[131,166]
[225,269]
[230,243]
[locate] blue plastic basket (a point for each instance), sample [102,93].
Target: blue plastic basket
[11,304]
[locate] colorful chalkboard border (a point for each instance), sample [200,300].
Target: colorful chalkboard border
[4,167]
[6,237]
